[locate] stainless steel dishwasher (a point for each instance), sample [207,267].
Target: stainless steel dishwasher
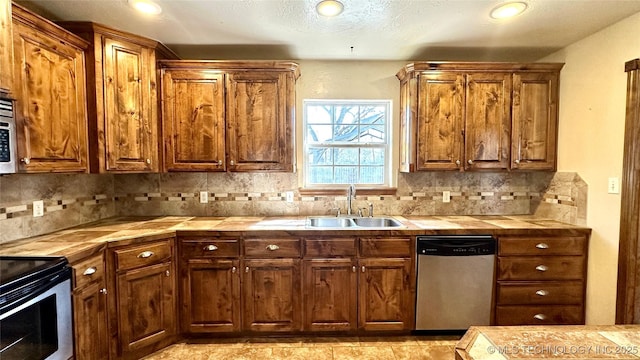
[455,281]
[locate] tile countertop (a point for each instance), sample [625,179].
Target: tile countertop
[550,342]
[79,242]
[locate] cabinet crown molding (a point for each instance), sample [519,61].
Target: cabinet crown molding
[410,69]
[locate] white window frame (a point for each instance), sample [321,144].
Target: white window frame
[387,103]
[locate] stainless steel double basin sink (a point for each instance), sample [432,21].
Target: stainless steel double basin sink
[332,222]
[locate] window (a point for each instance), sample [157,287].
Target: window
[346,142]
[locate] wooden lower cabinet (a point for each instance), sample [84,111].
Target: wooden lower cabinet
[330,295]
[385,297]
[90,309]
[271,295]
[210,295]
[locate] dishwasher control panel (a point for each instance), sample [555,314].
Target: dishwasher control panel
[456,245]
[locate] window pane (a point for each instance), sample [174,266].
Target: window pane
[346,156]
[319,114]
[372,157]
[346,175]
[320,156]
[321,175]
[319,133]
[372,175]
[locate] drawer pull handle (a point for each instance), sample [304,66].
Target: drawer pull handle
[210,248]
[541,317]
[542,246]
[90,271]
[542,293]
[542,268]
[145,254]
[273,247]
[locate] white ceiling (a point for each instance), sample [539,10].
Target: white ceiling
[376,29]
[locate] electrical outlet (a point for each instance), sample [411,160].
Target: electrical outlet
[446,196]
[38,208]
[204,197]
[613,186]
[289,196]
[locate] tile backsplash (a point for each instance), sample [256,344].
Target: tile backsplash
[74,199]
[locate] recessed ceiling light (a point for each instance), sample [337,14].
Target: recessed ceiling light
[329,8]
[146,6]
[508,10]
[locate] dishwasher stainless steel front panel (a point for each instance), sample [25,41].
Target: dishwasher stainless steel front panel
[455,281]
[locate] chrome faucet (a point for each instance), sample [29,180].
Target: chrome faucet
[351,194]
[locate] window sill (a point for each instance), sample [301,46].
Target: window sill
[343,191]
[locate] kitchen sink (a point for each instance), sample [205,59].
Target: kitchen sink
[323,222]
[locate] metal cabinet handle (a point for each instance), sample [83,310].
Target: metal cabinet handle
[233,269]
[542,293]
[148,161]
[145,254]
[363,269]
[246,269]
[542,268]
[210,247]
[470,162]
[517,161]
[219,162]
[458,162]
[25,160]
[272,247]
[542,246]
[103,291]
[90,271]
[353,269]
[232,162]
[541,317]
[167,273]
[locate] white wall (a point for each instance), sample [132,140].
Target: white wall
[591,137]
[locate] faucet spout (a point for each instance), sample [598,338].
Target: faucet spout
[351,194]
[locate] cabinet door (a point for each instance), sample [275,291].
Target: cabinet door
[535,121]
[330,297]
[145,306]
[193,120]
[130,127]
[6,47]
[488,121]
[271,295]
[210,296]
[440,120]
[90,320]
[385,295]
[260,120]
[51,119]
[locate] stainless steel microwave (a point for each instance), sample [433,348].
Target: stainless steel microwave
[8,163]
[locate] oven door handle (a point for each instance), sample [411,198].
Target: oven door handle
[33,289]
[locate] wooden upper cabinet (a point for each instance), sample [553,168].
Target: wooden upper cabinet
[487,121]
[440,121]
[6,47]
[259,125]
[193,120]
[477,116]
[51,118]
[228,115]
[122,98]
[535,120]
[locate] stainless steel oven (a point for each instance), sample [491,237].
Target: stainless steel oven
[8,155]
[35,308]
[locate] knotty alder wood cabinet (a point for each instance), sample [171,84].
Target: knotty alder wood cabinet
[122,98]
[474,116]
[228,115]
[6,47]
[275,286]
[142,306]
[541,280]
[49,74]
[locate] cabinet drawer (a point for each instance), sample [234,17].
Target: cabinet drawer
[88,270]
[544,292]
[145,254]
[210,248]
[540,315]
[562,245]
[388,247]
[330,247]
[272,248]
[541,268]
